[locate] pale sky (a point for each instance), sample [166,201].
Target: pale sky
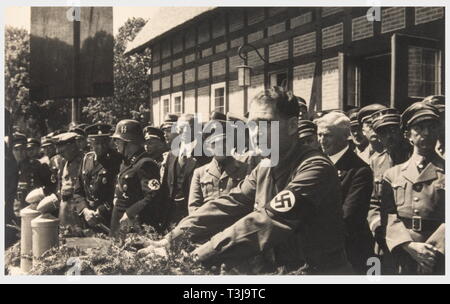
[19,16]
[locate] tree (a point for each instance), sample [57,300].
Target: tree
[131,82]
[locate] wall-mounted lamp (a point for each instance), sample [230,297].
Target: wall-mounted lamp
[245,71]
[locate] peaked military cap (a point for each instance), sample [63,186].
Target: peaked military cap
[33,142]
[437,100]
[98,130]
[169,121]
[366,112]
[306,128]
[152,132]
[385,117]
[417,112]
[19,139]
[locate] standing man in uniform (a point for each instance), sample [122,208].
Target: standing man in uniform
[33,148]
[289,215]
[333,129]
[137,198]
[413,197]
[99,170]
[386,124]
[32,174]
[365,121]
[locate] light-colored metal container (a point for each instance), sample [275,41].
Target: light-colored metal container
[45,234]
[27,214]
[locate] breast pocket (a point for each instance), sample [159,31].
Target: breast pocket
[399,193]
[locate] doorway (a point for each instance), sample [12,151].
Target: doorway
[375,73]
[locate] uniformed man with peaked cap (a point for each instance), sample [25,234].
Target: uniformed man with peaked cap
[32,174]
[99,170]
[413,197]
[360,142]
[307,133]
[137,195]
[68,208]
[217,177]
[169,121]
[365,121]
[386,124]
[155,143]
[33,147]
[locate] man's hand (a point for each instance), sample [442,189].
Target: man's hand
[424,254]
[90,217]
[155,248]
[153,252]
[126,221]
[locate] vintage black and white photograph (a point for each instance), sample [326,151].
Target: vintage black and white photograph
[251,140]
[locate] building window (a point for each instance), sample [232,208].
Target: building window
[177,99]
[218,97]
[279,79]
[166,106]
[424,66]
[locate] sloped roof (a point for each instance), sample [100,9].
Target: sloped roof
[167,18]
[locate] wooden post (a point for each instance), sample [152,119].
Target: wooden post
[76,70]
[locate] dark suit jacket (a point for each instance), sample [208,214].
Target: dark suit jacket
[357,184]
[169,179]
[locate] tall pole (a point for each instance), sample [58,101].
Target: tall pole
[76,69]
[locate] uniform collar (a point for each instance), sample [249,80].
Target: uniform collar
[291,159]
[411,173]
[136,156]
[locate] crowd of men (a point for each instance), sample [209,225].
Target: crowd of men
[348,187]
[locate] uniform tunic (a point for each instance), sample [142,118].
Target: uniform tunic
[289,215]
[98,179]
[211,181]
[409,200]
[137,193]
[70,180]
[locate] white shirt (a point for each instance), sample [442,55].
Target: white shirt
[187,149]
[334,158]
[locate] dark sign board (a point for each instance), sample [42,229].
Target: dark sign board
[71,52]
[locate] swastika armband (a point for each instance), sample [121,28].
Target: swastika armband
[283,201]
[153,184]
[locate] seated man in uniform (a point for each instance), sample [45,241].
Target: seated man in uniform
[98,173]
[155,143]
[413,197]
[217,177]
[137,196]
[288,216]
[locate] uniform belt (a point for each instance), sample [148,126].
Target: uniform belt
[426,225]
